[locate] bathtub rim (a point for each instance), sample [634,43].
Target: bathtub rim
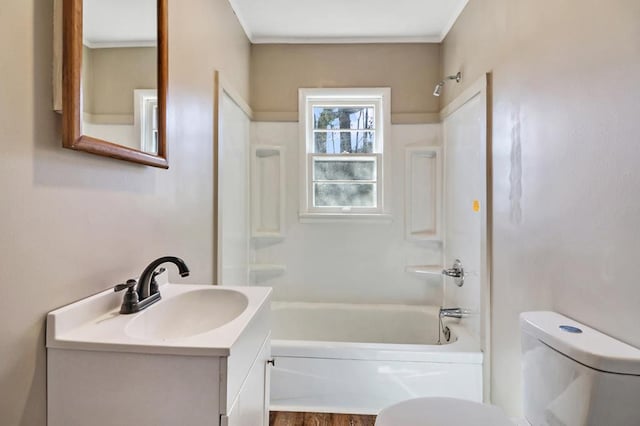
[465,349]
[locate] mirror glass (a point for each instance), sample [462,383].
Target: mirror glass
[119,96]
[114,79]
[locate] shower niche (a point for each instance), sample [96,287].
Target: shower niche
[268,202]
[423,193]
[267,192]
[423,203]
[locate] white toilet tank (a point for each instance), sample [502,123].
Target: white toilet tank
[577,376]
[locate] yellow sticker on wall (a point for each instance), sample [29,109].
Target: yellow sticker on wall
[476,206]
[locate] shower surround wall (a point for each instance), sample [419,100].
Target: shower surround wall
[348,262]
[233,193]
[565,163]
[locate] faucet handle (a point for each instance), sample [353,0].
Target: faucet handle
[130,300]
[129,284]
[456,272]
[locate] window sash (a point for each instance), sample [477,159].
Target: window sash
[334,201]
[313,105]
[350,158]
[312,181]
[360,141]
[354,103]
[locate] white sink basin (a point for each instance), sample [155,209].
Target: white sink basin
[198,320]
[188,314]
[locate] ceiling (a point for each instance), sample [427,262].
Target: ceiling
[119,23]
[347,21]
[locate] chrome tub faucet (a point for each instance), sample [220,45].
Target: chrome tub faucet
[451,313]
[443,330]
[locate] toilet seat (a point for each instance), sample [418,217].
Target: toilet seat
[441,412]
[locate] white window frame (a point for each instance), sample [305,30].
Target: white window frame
[380,99]
[145,105]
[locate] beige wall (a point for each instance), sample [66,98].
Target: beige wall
[72,224]
[411,70]
[566,176]
[114,74]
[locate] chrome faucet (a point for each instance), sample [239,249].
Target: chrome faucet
[145,292]
[449,313]
[452,313]
[456,272]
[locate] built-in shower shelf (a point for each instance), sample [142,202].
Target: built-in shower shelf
[267,236]
[267,192]
[423,193]
[267,268]
[425,271]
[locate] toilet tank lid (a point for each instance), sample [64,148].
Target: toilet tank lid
[581,343]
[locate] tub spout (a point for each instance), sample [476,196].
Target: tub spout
[448,313]
[453,313]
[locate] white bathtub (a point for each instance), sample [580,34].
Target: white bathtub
[345,358]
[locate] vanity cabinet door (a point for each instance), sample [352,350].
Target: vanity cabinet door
[251,407]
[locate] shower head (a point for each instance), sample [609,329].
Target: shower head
[438,89]
[440,85]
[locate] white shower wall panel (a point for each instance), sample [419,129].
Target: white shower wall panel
[233,175]
[465,189]
[349,262]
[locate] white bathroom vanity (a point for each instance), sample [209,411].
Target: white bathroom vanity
[197,357]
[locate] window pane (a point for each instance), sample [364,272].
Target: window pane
[340,142]
[345,195]
[344,170]
[358,117]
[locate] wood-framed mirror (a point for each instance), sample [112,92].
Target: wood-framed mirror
[114,79]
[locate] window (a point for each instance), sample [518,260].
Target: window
[342,163]
[146,119]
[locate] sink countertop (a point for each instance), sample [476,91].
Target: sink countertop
[95,324]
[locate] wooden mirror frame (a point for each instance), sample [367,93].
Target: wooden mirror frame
[72,137]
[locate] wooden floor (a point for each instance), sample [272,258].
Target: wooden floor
[282,418]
